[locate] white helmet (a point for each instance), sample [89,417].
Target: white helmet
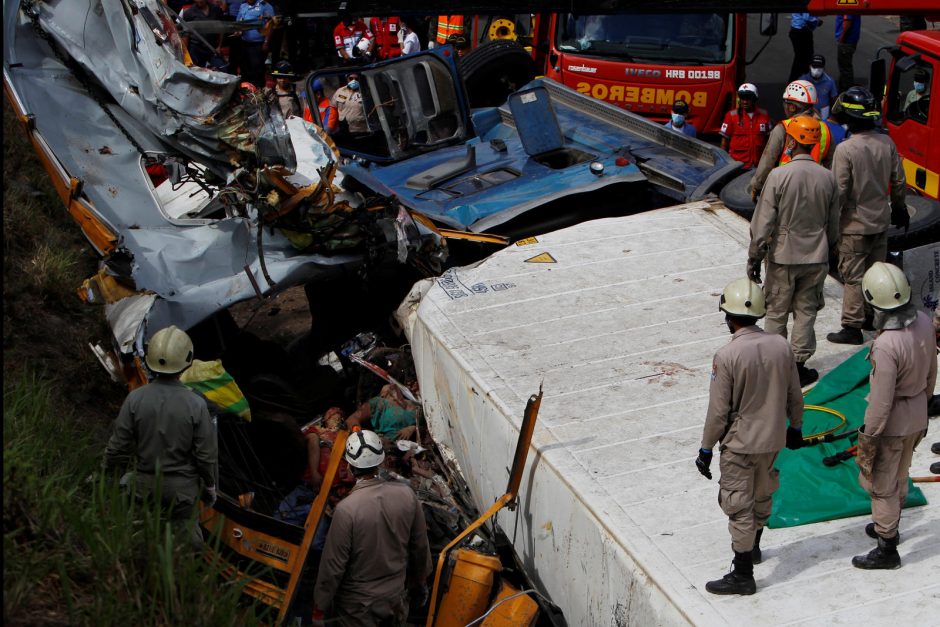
[748,88]
[169,351]
[363,45]
[803,92]
[743,297]
[885,287]
[364,449]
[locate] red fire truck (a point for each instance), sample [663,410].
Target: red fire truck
[911,117]
[644,62]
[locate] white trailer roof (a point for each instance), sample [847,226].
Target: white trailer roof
[618,319]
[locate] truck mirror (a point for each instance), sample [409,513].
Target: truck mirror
[877,77]
[768,24]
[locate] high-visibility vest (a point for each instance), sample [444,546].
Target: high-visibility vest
[448,25]
[328,116]
[819,151]
[386,36]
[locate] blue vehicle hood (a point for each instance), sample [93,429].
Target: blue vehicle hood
[505,183]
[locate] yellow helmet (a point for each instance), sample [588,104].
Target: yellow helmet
[743,297]
[804,129]
[885,287]
[169,351]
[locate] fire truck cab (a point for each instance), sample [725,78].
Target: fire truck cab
[911,116]
[644,62]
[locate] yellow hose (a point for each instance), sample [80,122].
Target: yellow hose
[826,410]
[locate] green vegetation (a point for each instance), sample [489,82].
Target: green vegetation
[76,552]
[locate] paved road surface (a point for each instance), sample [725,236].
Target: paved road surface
[771,69]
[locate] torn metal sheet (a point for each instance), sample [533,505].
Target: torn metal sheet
[126,318]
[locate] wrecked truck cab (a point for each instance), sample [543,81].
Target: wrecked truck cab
[545,157]
[410,105]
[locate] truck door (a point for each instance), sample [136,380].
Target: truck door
[914,122]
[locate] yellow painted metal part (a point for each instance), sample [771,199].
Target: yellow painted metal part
[313,520]
[486,238]
[469,588]
[135,374]
[511,609]
[932,185]
[67,187]
[509,498]
[271,551]
[104,289]
[502,28]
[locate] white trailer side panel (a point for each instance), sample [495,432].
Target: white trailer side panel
[618,319]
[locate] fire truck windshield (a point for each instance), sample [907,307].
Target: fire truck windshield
[679,38]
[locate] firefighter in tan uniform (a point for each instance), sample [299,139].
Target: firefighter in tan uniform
[871,191]
[754,390]
[903,375]
[377,548]
[795,224]
[799,98]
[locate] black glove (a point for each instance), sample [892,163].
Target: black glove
[900,217]
[703,461]
[753,270]
[794,438]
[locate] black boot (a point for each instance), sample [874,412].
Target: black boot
[871,533]
[848,335]
[883,556]
[807,375]
[756,556]
[739,581]
[933,409]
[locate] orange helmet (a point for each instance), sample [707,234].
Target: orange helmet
[804,129]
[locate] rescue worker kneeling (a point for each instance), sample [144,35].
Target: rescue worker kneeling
[754,389]
[903,375]
[377,547]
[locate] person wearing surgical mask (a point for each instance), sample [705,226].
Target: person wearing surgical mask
[677,121]
[410,43]
[348,104]
[826,91]
[920,88]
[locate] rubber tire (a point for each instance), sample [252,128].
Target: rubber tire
[925,213]
[494,70]
[736,195]
[924,228]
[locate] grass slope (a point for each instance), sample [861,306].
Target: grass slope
[75,552]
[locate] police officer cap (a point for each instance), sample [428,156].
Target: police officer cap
[681,107]
[921,75]
[818,61]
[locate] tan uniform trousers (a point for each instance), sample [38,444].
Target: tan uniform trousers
[797,288]
[888,485]
[857,253]
[746,486]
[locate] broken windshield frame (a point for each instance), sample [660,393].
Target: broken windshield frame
[699,38]
[410,105]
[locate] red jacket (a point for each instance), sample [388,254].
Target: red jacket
[386,36]
[746,135]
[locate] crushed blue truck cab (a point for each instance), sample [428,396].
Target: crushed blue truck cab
[478,170]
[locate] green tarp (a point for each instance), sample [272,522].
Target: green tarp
[810,491]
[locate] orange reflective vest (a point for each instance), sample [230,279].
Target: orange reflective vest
[328,117]
[448,25]
[819,151]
